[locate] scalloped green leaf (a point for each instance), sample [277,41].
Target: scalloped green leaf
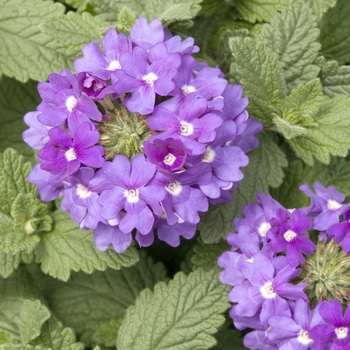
[26,52]
[157,321]
[67,248]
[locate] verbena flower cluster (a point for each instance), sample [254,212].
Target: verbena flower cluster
[143,137]
[291,292]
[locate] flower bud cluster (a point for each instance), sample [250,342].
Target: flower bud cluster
[291,292]
[143,137]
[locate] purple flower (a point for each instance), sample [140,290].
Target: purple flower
[63,100]
[147,35]
[290,236]
[341,232]
[37,135]
[336,330]
[145,80]
[131,192]
[63,155]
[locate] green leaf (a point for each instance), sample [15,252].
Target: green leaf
[321,6]
[126,20]
[33,315]
[13,240]
[260,72]
[80,5]
[13,179]
[56,337]
[12,112]
[331,135]
[74,30]
[105,295]
[258,10]
[229,339]
[206,255]
[263,171]
[335,33]
[292,35]
[288,129]
[182,315]
[335,174]
[172,11]
[8,263]
[107,333]
[14,292]
[335,79]
[67,248]
[26,52]
[20,347]
[5,337]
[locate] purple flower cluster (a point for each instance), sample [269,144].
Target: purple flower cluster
[143,137]
[276,271]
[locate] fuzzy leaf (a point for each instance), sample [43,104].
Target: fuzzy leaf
[126,20]
[20,347]
[26,52]
[5,337]
[288,129]
[12,112]
[182,315]
[206,255]
[263,171]
[259,71]
[292,35]
[258,10]
[335,174]
[33,315]
[331,135]
[335,33]
[13,179]
[321,6]
[67,248]
[105,295]
[335,79]
[8,263]
[55,337]
[74,30]
[107,333]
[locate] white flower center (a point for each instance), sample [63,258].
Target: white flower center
[251,260]
[114,65]
[186,129]
[71,103]
[70,155]
[187,89]
[149,78]
[169,159]
[82,191]
[174,188]
[333,205]
[208,156]
[303,337]
[289,235]
[268,291]
[132,195]
[263,228]
[341,332]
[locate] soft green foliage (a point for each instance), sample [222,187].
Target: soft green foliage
[335,33]
[107,333]
[13,179]
[194,303]
[258,10]
[292,34]
[321,6]
[335,79]
[20,347]
[26,52]
[56,337]
[126,20]
[33,315]
[330,135]
[8,263]
[105,295]
[258,69]
[166,11]
[5,337]
[74,30]
[12,112]
[264,171]
[205,256]
[335,174]
[67,248]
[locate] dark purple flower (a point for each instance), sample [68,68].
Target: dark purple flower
[169,154]
[64,155]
